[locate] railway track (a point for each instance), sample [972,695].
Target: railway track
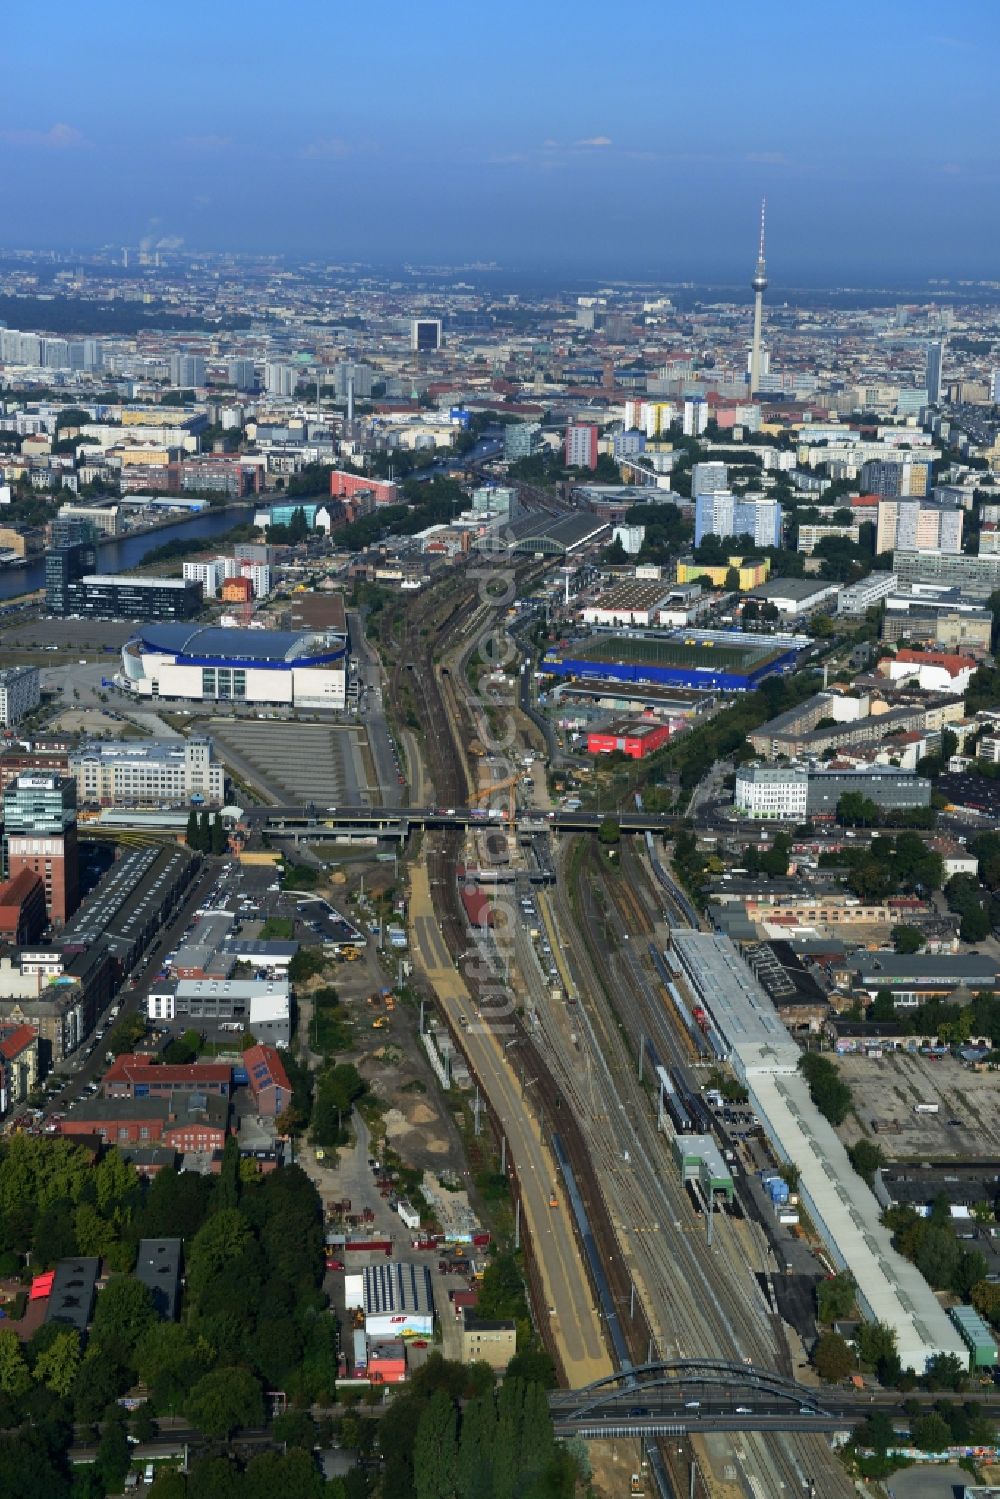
[437,703]
[722,1311]
[616,1167]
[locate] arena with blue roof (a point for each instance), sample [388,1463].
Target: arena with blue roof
[209,663]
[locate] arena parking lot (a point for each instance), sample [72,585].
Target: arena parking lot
[301,762]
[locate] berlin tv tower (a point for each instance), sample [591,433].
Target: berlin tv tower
[759,284]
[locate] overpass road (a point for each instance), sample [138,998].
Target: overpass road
[314,818]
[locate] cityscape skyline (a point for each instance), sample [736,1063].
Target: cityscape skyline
[665,165]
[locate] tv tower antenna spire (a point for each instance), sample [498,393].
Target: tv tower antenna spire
[759,287]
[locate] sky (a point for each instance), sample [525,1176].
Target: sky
[602,140]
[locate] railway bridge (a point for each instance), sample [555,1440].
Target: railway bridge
[687,1396]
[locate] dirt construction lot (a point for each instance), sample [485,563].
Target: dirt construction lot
[886,1091]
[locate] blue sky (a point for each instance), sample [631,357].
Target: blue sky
[606,140]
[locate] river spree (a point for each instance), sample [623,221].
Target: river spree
[121,555]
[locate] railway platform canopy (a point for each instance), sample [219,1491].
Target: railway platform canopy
[744,1016]
[549,535]
[841,1206]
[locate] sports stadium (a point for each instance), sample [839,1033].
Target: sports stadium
[206,663]
[708,660]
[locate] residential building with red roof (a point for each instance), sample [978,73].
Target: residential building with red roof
[23,917]
[934,671]
[272,1092]
[18,1064]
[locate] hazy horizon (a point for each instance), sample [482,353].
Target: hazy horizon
[545,140]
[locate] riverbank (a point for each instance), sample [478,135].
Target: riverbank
[122,554]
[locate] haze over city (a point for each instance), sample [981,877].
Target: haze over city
[543,137]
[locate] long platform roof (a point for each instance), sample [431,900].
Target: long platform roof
[840,1204]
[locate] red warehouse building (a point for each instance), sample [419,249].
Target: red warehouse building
[133,1076]
[636,740]
[187,1123]
[344,486]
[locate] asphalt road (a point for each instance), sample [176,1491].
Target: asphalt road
[84,1068]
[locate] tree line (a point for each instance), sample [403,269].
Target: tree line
[206,835]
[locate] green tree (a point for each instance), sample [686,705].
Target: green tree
[193,835]
[907,939]
[145,1427]
[774,861]
[94,1234]
[220,1242]
[292,1474]
[225,1401]
[171,1357]
[975,925]
[609,831]
[15,1378]
[832,1358]
[855,810]
[534,1366]
[829,1093]
[476,1449]
[945,1371]
[835,1297]
[123,1313]
[227,1188]
[296,1428]
[931,1433]
[204,834]
[435,1450]
[115,1181]
[113,1453]
[876,1344]
[169,1484]
[537,1440]
[985,1298]
[56,1365]
[219,840]
[882,1007]
[214,1478]
[337,1090]
[866,1158]
[100,1380]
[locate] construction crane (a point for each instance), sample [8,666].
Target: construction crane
[508,784]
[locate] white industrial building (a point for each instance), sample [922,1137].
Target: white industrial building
[397,1297]
[629,603]
[260,1006]
[796,597]
[20,692]
[840,1204]
[147,772]
[201,663]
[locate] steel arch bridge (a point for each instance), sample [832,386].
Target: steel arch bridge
[691,1394]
